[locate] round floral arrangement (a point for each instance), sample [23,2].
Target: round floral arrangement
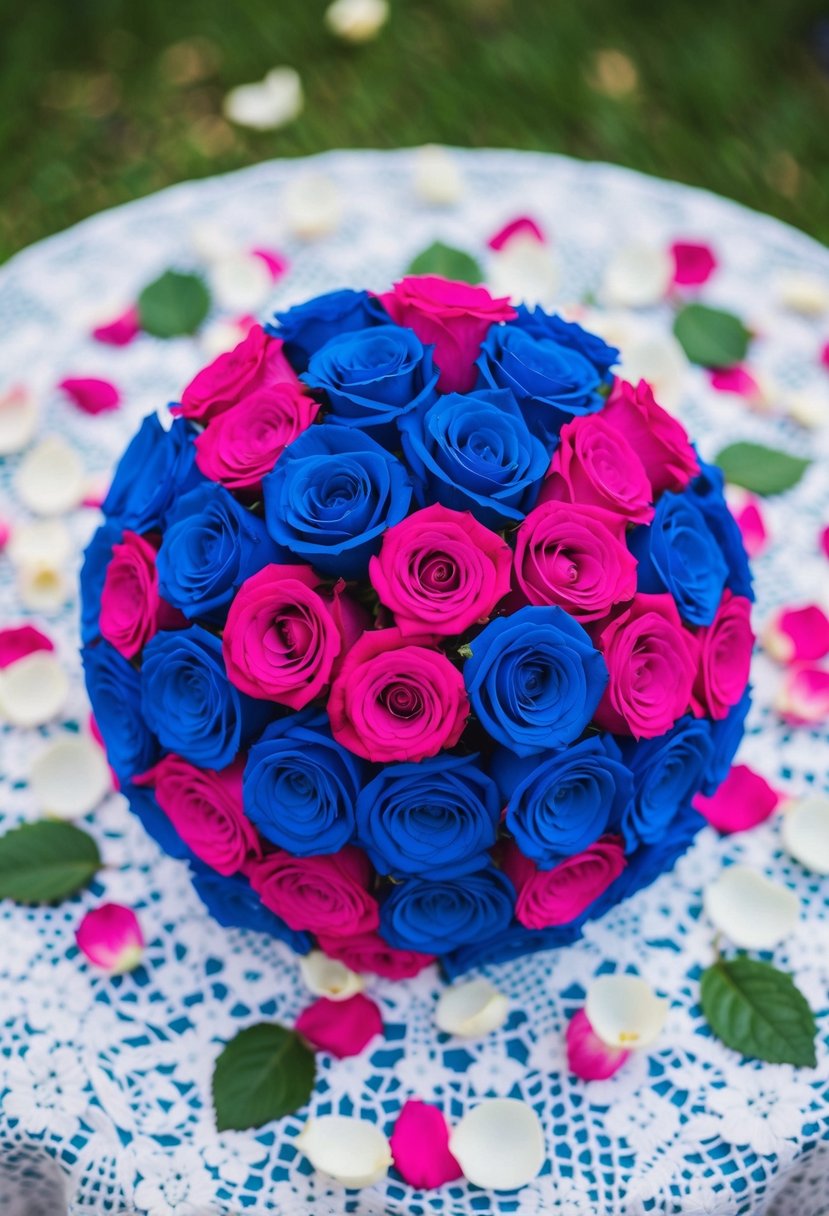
[416,631]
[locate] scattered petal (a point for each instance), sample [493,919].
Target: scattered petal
[95,491]
[499,1144]
[50,479]
[808,407]
[268,104]
[352,1151]
[19,414]
[624,1011]
[357,20]
[5,534]
[805,832]
[33,690]
[69,777]
[328,977]
[341,1027]
[743,800]
[420,1146]
[797,634]
[823,540]
[110,937]
[240,282]
[694,263]
[43,587]
[121,330]
[748,512]
[824,355]
[523,226]
[471,1009]
[803,699]
[91,395]
[17,641]
[39,542]
[277,264]
[437,176]
[802,292]
[525,271]
[588,1057]
[311,206]
[737,380]
[210,241]
[637,276]
[752,911]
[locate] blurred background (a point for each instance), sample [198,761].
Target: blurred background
[106,100]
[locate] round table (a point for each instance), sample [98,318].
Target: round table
[107,1081]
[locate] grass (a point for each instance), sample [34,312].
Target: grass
[105,100]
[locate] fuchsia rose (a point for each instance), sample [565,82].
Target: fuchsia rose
[594,465]
[397,698]
[369,952]
[206,809]
[454,317]
[652,661]
[256,362]
[440,571]
[660,442]
[560,895]
[241,445]
[327,894]
[574,556]
[283,636]
[724,658]
[132,611]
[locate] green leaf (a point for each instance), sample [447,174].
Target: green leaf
[710,336]
[757,1010]
[265,1072]
[43,862]
[173,304]
[759,469]
[448,262]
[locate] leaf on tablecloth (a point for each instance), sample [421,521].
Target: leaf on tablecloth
[43,862]
[173,304]
[711,336]
[265,1072]
[450,263]
[760,469]
[757,1010]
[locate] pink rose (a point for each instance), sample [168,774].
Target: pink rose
[440,571]
[661,443]
[454,317]
[283,635]
[369,952]
[595,465]
[725,648]
[574,556]
[132,611]
[652,661]
[206,809]
[326,894]
[561,895]
[396,698]
[256,362]
[241,445]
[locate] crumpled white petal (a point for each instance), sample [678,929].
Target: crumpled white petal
[471,1009]
[624,1010]
[437,177]
[50,480]
[802,292]
[499,1144]
[805,832]
[43,586]
[33,690]
[352,1151]
[267,104]
[70,776]
[328,977]
[357,20]
[40,542]
[240,282]
[310,205]
[637,276]
[19,413]
[524,270]
[749,909]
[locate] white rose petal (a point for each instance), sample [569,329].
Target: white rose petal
[437,177]
[240,282]
[19,413]
[471,1009]
[328,977]
[805,832]
[40,542]
[69,777]
[352,1151]
[624,1011]
[43,586]
[637,276]
[211,241]
[802,292]
[661,361]
[311,206]
[220,336]
[268,104]
[50,480]
[524,270]
[33,690]
[499,1144]
[752,911]
[357,20]
[808,407]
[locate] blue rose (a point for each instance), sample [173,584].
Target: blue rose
[372,376]
[300,786]
[667,772]
[437,916]
[212,544]
[650,861]
[534,679]
[726,734]
[560,805]
[114,690]
[568,333]
[332,495]
[707,490]
[155,470]
[552,383]
[143,804]
[189,703]
[509,943]
[306,327]
[436,819]
[474,452]
[232,901]
[678,553]
[96,560]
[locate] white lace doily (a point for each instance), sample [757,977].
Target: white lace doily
[106,1083]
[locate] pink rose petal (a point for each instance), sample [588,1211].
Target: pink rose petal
[19,640]
[277,263]
[587,1056]
[5,533]
[121,330]
[738,380]
[694,263]
[824,355]
[795,635]
[91,395]
[742,801]
[342,1028]
[750,521]
[110,937]
[804,698]
[522,225]
[420,1146]
[824,541]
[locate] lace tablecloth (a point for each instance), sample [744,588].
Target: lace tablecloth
[107,1082]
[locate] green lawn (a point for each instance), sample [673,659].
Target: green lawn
[105,100]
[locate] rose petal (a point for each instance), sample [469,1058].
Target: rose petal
[5,534]
[471,1009]
[277,264]
[803,698]
[805,832]
[91,395]
[803,292]
[808,407]
[420,1146]
[240,282]
[17,641]
[748,512]
[311,206]
[525,271]
[824,355]
[121,330]
[752,911]
[328,977]
[522,226]
[352,1151]
[19,415]
[40,542]
[437,176]
[823,540]
[588,1057]
[33,690]
[694,263]
[50,479]
[637,276]
[219,337]
[110,937]
[342,1027]
[737,380]
[797,634]
[268,104]
[499,1144]
[69,777]
[742,801]
[43,587]
[356,21]
[95,491]
[624,1011]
